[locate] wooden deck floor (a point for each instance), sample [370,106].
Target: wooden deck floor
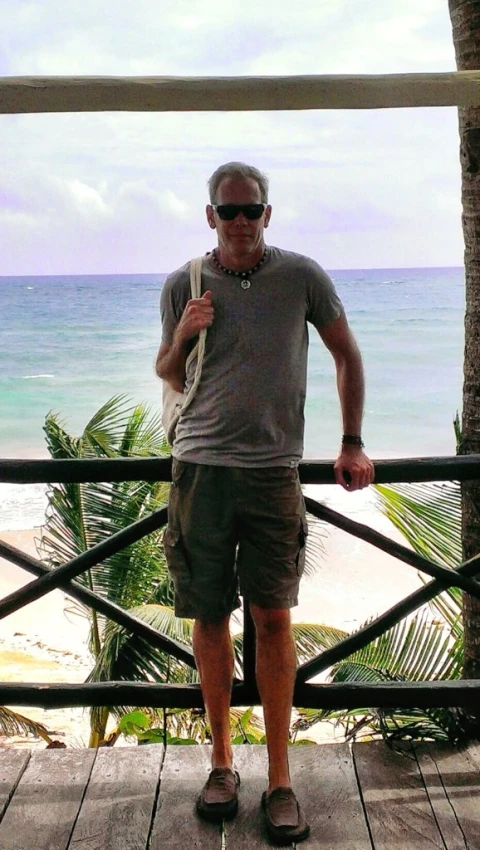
[134,798]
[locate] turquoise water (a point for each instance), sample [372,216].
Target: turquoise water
[68,344]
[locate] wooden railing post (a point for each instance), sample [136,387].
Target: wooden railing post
[249,649]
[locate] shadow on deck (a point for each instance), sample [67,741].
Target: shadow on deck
[133,798]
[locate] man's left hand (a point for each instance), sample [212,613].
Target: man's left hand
[353,469]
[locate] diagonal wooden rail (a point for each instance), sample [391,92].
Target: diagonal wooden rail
[54,578]
[344,648]
[101,605]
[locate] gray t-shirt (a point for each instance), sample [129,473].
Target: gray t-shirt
[249,407]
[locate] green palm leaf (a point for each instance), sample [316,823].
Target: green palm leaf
[310,639]
[119,430]
[429,516]
[81,515]
[416,649]
[131,658]
[128,657]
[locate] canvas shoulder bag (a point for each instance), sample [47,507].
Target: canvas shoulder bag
[174,403]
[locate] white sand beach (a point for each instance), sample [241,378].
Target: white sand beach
[42,643]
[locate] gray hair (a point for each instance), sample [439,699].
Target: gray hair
[238,170]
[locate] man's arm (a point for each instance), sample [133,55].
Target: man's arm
[353,469]
[170,364]
[171,359]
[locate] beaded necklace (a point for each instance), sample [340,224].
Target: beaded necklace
[245,283]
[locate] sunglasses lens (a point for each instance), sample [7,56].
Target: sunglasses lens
[227,212]
[253,211]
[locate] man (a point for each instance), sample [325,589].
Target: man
[236,511]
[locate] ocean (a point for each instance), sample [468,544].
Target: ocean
[67,344]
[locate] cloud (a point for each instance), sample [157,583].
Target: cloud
[223,36]
[127,191]
[87,200]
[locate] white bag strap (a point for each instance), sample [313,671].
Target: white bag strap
[199,349]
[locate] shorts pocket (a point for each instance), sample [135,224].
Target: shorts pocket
[177,558]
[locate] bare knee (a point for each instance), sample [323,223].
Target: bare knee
[212,630]
[270,622]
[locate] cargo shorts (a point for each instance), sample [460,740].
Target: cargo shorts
[233,530]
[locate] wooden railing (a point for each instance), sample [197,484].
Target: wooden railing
[462,693]
[234,94]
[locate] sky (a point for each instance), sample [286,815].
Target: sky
[119,193]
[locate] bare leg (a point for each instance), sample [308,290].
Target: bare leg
[213,651]
[276,667]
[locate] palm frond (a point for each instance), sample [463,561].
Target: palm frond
[416,649]
[429,517]
[13,724]
[310,639]
[318,531]
[104,432]
[143,436]
[128,657]
[81,515]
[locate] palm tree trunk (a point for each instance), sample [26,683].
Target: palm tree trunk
[465,18]
[98,732]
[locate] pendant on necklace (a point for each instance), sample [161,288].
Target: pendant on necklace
[245,284]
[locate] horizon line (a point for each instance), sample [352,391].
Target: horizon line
[151,274]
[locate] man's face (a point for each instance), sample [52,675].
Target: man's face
[241,235]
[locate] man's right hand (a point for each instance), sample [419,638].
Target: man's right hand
[198,314]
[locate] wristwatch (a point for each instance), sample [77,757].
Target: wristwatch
[353,440]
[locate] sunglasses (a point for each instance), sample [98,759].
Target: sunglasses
[227,212]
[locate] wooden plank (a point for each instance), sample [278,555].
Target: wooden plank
[247,831]
[456,802]
[324,780]
[118,807]
[395,800]
[192,94]
[176,825]
[46,802]
[12,766]
[427,757]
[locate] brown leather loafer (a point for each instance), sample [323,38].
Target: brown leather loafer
[218,799]
[284,818]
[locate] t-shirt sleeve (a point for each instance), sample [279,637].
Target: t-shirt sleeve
[173,299]
[324,304]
